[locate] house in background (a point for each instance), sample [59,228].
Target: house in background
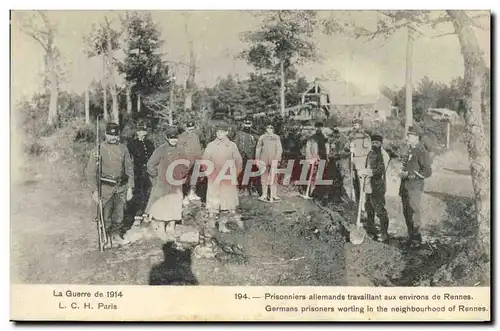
[325,98]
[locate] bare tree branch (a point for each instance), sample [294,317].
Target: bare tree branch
[35,37]
[443,34]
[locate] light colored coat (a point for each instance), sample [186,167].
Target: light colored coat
[222,195]
[269,148]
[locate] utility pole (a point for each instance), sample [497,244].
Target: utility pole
[171,100]
[282,88]
[408,84]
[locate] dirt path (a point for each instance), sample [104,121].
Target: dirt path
[54,240]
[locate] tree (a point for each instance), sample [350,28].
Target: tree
[477,144]
[283,40]
[143,66]
[190,80]
[103,41]
[44,35]
[463,24]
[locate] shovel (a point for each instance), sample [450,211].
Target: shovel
[357,235]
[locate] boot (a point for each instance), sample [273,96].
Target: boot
[192,196]
[238,221]
[222,224]
[137,220]
[384,237]
[117,240]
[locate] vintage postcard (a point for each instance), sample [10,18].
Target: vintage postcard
[276,165]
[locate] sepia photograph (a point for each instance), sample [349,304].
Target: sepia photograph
[251,148]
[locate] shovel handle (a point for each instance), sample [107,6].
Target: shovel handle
[361,201]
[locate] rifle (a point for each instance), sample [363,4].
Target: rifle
[101,228]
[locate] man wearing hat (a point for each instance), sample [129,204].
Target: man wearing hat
[141,149]
[360,145]
[416,167]
[190,141]
[245,142]
[269,149]
[117,182]
[165,204]
[375,171]
[222,193]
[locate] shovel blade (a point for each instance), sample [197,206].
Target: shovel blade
[357,236]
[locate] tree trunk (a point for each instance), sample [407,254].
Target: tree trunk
[53,88]
[111,75]
[188,98]
[477,144]
[87,106]
[408,84]
[282,89]
[171,104]
[105,102]
[138,103]
[129,100]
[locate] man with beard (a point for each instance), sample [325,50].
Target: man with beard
[165,204]
[117,180]
[375,170]
[141,149]
[245,142]
[190,142]
[416,167]
[269,149]
[222,193]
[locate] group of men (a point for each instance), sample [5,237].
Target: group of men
[139,176]
[362,163]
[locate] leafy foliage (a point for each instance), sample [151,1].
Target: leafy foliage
[143,66]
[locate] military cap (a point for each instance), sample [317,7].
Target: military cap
[142,126]
[112,129]
[318,125]
[223,126]
[414,130]
[357,120]
[336,131]
[247,122]
[172,132]
[377,137]
[190,124]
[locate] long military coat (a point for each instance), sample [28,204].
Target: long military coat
[222,194]
[165,202]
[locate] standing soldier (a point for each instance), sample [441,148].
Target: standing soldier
[416,167]
[317,148]
[117,180]
[375,187]
[340,154]
[360,145]
[269,149]
[165,204]
[245,142]
[190,141]
[141,149]
[222,195]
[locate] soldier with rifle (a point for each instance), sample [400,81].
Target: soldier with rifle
[110,176]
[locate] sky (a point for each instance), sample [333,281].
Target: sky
[216,36]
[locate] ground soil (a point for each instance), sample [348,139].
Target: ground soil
[291,242]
